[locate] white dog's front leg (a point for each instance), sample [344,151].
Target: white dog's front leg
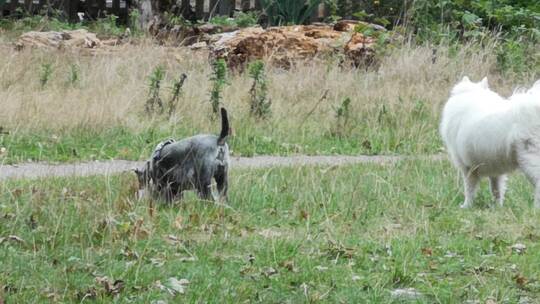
[498,188]
[470,180]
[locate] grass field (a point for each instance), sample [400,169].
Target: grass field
[295,235]
[99,113]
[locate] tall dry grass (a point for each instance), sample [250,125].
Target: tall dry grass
[113,89]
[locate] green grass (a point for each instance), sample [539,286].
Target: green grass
[316,234]
[250,138]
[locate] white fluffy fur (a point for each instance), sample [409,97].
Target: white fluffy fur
[489,136]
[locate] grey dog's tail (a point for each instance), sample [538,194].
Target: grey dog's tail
[224,127]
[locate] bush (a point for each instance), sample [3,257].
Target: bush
[287,12]
[259,102]
[246,19]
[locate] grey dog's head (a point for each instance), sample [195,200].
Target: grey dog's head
[144,178]
[144,175]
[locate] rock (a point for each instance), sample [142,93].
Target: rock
[319,32]
[207,28]
[284,45]
[72,39]
[345,25]
[199,45]
[360,49]
[350,25]
[406,294]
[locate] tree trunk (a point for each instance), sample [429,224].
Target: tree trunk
[149,9]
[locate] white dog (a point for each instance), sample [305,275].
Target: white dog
[489,136]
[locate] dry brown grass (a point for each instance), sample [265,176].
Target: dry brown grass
[113,87]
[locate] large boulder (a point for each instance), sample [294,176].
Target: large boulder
[284,45]
[71,39]
[359,50]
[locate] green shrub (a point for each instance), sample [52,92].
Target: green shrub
[259,103]
[134,21]
[73,77]
[157,76]
[287,12]
[246,19]
[219,80]
[222,21]
[45,74]
[107,26]
[176,92]
[342,114]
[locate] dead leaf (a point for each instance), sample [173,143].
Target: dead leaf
[51,294]
[289,265]
[194,219]
[321,268]
[175,286]
[15,238]
[519,248]
[130,254]
[173,239]
[520,280]
[525,300]
[178,223]
[269,233]
[427,251]
[112,288]
[139,231]
[117,287]
[450,254]
[17,193]
[157,262]
[491,301]
[269,271]
[90,293]
[245,270]
[406,294]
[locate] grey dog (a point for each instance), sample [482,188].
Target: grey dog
[187,164]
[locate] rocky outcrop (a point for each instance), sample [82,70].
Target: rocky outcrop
[281,46]
[284,45]
[78,38]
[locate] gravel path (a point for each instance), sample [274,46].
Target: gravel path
[36,170]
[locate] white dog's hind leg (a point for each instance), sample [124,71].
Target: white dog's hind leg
[528,157]
[530,165]
[470,180]
[498,188]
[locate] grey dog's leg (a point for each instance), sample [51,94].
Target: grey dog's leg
[222,181]
[205,191]
[167,194]
[470,180]
[498,188]
[204,184]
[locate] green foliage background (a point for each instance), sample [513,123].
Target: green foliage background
[514,24]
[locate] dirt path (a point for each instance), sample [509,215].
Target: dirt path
[36,170]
